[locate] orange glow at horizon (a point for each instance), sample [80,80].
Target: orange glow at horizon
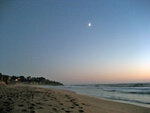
[115,75]
[121,74]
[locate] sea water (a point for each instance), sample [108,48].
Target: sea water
[137,94]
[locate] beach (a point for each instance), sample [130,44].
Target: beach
[125,93]
[29,99]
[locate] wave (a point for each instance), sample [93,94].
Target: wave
[132,92]
[127,100]
[128,92]
[124,85]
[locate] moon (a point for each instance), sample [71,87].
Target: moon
[89,24]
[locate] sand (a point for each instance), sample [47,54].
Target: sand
[26,99]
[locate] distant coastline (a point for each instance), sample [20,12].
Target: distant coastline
[6,79]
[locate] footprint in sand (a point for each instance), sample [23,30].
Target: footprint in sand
[67,111]
[20,105]
[61,103]
[72,100]
[81,107]
[24,110]
[76,104]
[49,105]
[81,111]
[62,108]
[6,103]
[72,107]
[54,109]
[31,107]
[84,104]
[39,103]
[40,107]
[32,104]
[8,109]
[32,111]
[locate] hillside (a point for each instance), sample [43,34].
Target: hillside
[6,79]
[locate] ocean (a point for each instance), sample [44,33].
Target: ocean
[133,93]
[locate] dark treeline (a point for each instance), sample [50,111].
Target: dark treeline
[6,79]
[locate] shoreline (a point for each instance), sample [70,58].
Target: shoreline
[32,99]
[107,99]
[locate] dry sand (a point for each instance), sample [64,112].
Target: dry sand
[25,99]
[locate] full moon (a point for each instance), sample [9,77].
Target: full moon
[89,24]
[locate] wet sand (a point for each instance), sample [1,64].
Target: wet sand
[26,99]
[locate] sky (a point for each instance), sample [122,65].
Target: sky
[53,39]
